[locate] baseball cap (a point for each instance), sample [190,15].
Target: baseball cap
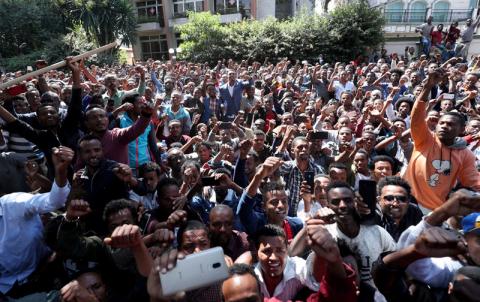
[471,223]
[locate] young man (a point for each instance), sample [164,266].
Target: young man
[275,203]
[22,248]
[440,159]
[397,212]
[366,241]
[233,242]
[144,146]
[282,277]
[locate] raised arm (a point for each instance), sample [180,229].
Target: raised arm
[44,203]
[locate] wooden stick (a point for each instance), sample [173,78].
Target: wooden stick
[56,66]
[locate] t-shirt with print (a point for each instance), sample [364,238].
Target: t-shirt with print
[371,241]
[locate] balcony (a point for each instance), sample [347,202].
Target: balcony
[420,16]
[148,23]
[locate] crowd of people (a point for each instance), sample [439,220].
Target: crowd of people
[127,170]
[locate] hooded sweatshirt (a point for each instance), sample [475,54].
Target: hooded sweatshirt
[435,168]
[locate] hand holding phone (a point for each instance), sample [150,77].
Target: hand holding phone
[194,271]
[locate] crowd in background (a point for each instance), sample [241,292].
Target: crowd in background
[129,168]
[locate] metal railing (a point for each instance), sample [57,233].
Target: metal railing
[393,16]
[402,16]
[148,19]
[451,15]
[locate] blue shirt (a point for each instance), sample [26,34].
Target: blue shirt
[253,220]
[21,232]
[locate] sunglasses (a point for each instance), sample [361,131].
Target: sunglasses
[399,198]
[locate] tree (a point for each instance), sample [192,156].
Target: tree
[204,38]
[27,26]
[104,21]
[354,27]
[343,35]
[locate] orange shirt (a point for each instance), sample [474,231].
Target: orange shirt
[434,169]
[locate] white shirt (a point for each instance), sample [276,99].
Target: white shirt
[371,241]
[297,274]
[230,89]
[314,207]
[339,88]
[21,232]
[435,272]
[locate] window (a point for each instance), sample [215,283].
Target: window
[178,39]
[150,11]
[394,12]
[180,7]
[233,7]
[440,11]
[283,9]
[154,47]
[418,12]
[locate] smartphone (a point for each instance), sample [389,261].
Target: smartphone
[16,90]
[195,271]
[448,96]
[210,181]
[29,68]
[224,125]
[368,190]
[319,135]
[309,178]
[146,217]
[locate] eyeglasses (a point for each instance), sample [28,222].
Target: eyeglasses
[399,198]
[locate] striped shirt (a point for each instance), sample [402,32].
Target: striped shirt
[19,144]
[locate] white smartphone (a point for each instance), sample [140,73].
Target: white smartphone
[195,271]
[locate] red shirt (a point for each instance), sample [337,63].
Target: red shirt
[437,37]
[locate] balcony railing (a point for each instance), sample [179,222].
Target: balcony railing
[451,15]
[147,19]
[393,16]
[402,16]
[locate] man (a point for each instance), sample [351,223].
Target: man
[115,142]
[259,146]
[439,159]
[275,203]
[99,179]
[283,277]
[22,248]
[175,134]
[318,154]
[382,166]
[341,84]
[233,242]
[466,37]
[212,104]
[150,174]
[54,131]
[111,83]
[366,241]
[140,150]
[293,171]
[231,95]
[176,111]
[429,253]
[242,285]
[311,203]
[397,211]
[426,30]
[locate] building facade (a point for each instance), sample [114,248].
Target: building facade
[403,16]
[157,18]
